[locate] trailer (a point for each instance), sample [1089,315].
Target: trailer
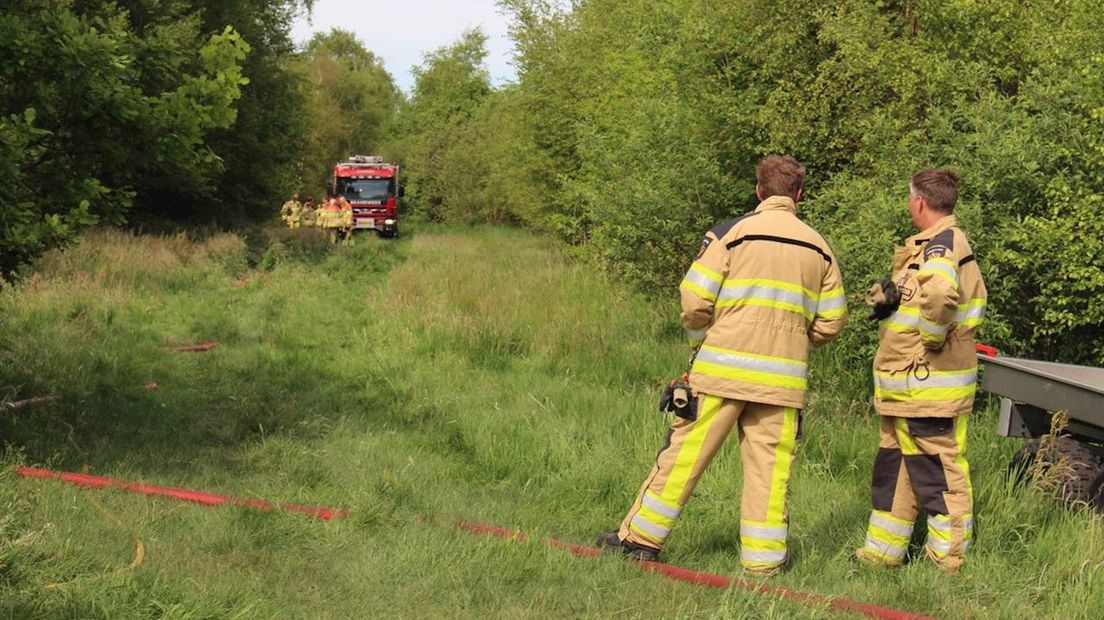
[1031,393]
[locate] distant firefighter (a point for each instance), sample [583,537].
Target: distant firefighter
[328,218]
[308,215]
[291,212]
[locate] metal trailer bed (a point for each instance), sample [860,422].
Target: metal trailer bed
[1030,390]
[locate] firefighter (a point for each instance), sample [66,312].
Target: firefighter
[308,215]
[345,219]
[765,289]
[289,212]
[329,219]
[925,376]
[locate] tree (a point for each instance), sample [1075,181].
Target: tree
[350,100]
[451,86]
[86,117]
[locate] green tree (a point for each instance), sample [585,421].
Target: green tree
[451,86]
[85,123]
[350,101]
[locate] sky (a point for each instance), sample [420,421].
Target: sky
[401,32]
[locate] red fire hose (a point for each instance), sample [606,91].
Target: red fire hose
[199,497]
[716,581]
[326,514]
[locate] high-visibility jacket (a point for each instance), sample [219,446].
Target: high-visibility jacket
[764,289]
[346,218]
[926,365]
[329,216]
[287,209]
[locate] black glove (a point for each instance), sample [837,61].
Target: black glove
[884,297]
[679,399]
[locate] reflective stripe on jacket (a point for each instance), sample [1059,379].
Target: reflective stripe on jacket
[764,289]
[926,365]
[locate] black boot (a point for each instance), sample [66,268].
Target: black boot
[610,542]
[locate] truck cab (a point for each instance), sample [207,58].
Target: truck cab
[371,186]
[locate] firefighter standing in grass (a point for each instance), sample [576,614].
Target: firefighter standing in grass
[764,289]
[329,219]
[925,375]
[308,215]
[345,219]
[290,211]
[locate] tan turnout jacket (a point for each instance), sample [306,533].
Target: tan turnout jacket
[764,289]
[926,365]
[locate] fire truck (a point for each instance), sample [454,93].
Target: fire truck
[372,188]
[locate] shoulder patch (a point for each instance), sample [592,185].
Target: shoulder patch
[940,245]
[704,246]
[722,229]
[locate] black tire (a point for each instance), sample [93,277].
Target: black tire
[1096,491]
[1084,465]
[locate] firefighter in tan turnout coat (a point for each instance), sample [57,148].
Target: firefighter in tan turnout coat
[764,289]
[925,375]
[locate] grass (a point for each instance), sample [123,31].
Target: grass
[461,374]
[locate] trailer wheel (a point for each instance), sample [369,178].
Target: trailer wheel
[1069,466]
[1096,491]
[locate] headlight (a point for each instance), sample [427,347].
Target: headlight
[388,222]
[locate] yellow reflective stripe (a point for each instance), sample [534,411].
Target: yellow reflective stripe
[905,320]
[699,291]
[656,518]
[649,531]
[960,458]
[779,284]
[762,544]
[758,558]
[696,336]
[750,376]
[832,304]
[884,526]
[908,444]
[884,556]
[765,303]
[831,314]
[690,450]
[763,531]
[950,393]
[941,267]
[899,328]
[652,501]
[935,373]
[891,550]
[783,462]
[707,272]
[881,535]
[758,356]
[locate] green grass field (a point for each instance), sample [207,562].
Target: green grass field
[454,374]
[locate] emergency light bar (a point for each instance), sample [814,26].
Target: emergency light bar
[366,159]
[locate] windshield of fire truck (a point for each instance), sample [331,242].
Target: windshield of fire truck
[366,189]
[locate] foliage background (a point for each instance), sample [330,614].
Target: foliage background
[635,125]
[632,127]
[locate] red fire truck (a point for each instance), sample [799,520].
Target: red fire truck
[372,188]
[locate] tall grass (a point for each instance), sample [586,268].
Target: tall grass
[461,374]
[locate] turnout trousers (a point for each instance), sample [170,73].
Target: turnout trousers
[921,463]
[768,439]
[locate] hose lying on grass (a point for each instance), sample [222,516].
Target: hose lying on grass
[326,514]
[709,579]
